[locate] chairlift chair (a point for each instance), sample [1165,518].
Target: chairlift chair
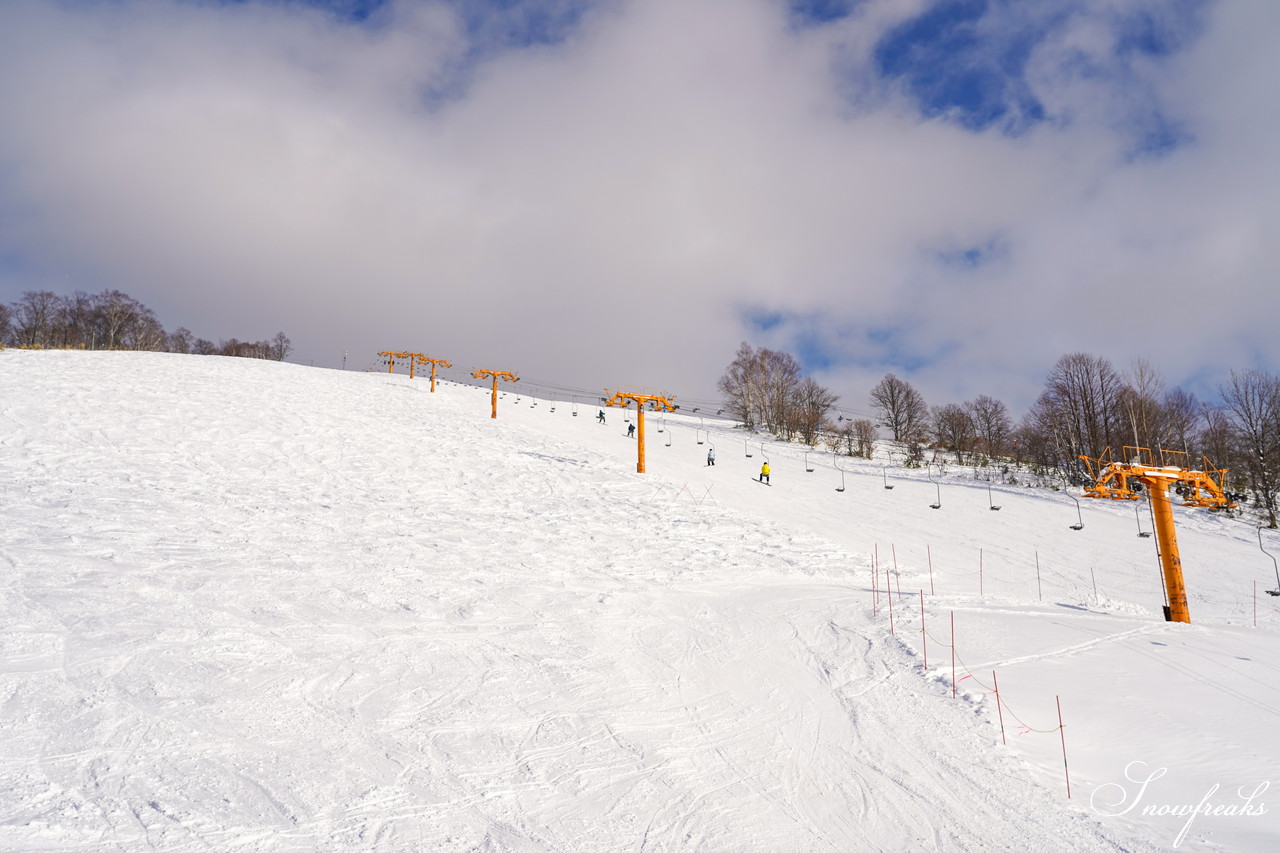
[747,449]
[841,470]
[1275,591]
[1145,534]
[990,500]
[808,469]
[1079,525]
[938,504]
[884,475]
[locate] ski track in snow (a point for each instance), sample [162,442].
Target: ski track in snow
[259,607]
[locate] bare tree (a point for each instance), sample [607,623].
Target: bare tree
[181,340]
[75,321]
[760,388]
[740,386]
[992,425]
[864,432]
[281,346]
[1141,410]
[6,324]
[1082,399]
[1041,439]
[809,406]
[115,313]
[840,439]
[1251,400]
[144,332]
[1181,414]
[1216,440]
[953,429]
[902,409]
[780,373]
[35,315]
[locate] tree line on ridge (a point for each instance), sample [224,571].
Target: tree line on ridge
[1087,408]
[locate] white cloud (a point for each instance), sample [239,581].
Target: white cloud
[601,210]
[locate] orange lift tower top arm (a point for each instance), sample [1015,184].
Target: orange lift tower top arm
[496,374]
[422,359]
[1121,481]
[657,401]
[392,356]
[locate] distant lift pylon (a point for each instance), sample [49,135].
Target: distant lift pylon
[1122,481]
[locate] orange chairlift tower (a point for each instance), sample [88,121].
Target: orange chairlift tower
[656,401]
[422,359]
[1121,481]
[496,375]
[392,356]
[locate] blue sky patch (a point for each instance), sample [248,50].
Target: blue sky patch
[354,11]
[491,24]
[812,352]
[819,12]
[966,61]
[764,321]
[954,66]
[894,355]
[973,256]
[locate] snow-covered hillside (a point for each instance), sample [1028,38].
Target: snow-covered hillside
[255,606]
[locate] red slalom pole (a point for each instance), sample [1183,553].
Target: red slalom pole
[890,595]
[875,574]
[875,591]
[999,710]
[1065,771]
[929,551]
[924,639]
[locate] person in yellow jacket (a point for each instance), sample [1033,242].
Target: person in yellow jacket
[764,473]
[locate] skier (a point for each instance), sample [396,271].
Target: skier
[600,417]
[631,430]
[764,473]
[711,456]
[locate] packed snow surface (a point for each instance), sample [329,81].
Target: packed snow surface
[252,606]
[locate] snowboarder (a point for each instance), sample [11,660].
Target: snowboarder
[600,417]
[631,430]
[711,457]
[764,473]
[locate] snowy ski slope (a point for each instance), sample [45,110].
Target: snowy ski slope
[252,606]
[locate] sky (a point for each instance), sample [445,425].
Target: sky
[617,194]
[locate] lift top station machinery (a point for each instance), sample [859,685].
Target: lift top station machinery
[1124,481]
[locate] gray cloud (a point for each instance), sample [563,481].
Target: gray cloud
[613,208]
